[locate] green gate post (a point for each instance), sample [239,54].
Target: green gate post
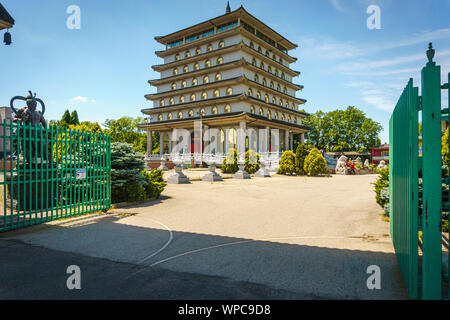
[391,180]
[432,197]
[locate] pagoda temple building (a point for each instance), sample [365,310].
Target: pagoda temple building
[232,75]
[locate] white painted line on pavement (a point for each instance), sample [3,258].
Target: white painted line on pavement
[242,242]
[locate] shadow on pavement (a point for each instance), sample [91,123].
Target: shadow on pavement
[121,261]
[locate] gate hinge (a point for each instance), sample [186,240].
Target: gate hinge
[419,103]
[444,86]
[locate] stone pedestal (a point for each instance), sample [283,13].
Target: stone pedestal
[178,177]
[163,166]
[262,172]
[241,174]
[212,175]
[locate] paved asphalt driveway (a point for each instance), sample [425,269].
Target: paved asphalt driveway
[274,238]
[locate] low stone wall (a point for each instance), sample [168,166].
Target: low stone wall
[365,171]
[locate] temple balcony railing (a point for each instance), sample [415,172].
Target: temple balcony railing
[270,159]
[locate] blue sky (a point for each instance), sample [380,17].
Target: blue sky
[102,69]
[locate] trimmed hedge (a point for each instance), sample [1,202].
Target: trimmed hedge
[232,158]
[300,155]
[287,163]
[254,156]
[232,165]
[315,163]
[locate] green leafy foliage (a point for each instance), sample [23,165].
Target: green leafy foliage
[129,192]
[126,164]
[87,126]
[381,183]
[315,163]
[69,140]
[230,163]
[126,130]
[445,148]
[342,130]
[287,163]
[127,182]
[65,120]
[384,198]
[74,118]
[251,161]
[68,119]
[300,155]
[155,183]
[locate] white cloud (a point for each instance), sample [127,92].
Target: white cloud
[366,67]
[424,36]
[379,95]
[378,99]
[337,5]
[359,84]
[328,48]
[82,99]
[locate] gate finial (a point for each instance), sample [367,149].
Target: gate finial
[430,52]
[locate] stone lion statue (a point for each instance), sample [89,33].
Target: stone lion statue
[381,165]
[341,165]
[366,163]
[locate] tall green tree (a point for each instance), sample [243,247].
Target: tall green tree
[126,130]
[342,130]
[74,118]
[65,120]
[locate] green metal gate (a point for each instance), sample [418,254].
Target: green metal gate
[422,270]
[51,173]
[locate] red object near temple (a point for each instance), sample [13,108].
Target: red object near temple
[379,153]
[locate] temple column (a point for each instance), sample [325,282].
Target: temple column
[226,132]
[291,141]
[241,137]
[161,146]
[149,143]
[267,139]
[206,138]
[170,142]
[286,140]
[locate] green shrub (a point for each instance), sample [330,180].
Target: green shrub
[315,163]
[230,163]
[287,163]
[300,155]
[155,183]
[254,156]
[445,148]
[128,192]
[444,224]
[127,181]
[381,183]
